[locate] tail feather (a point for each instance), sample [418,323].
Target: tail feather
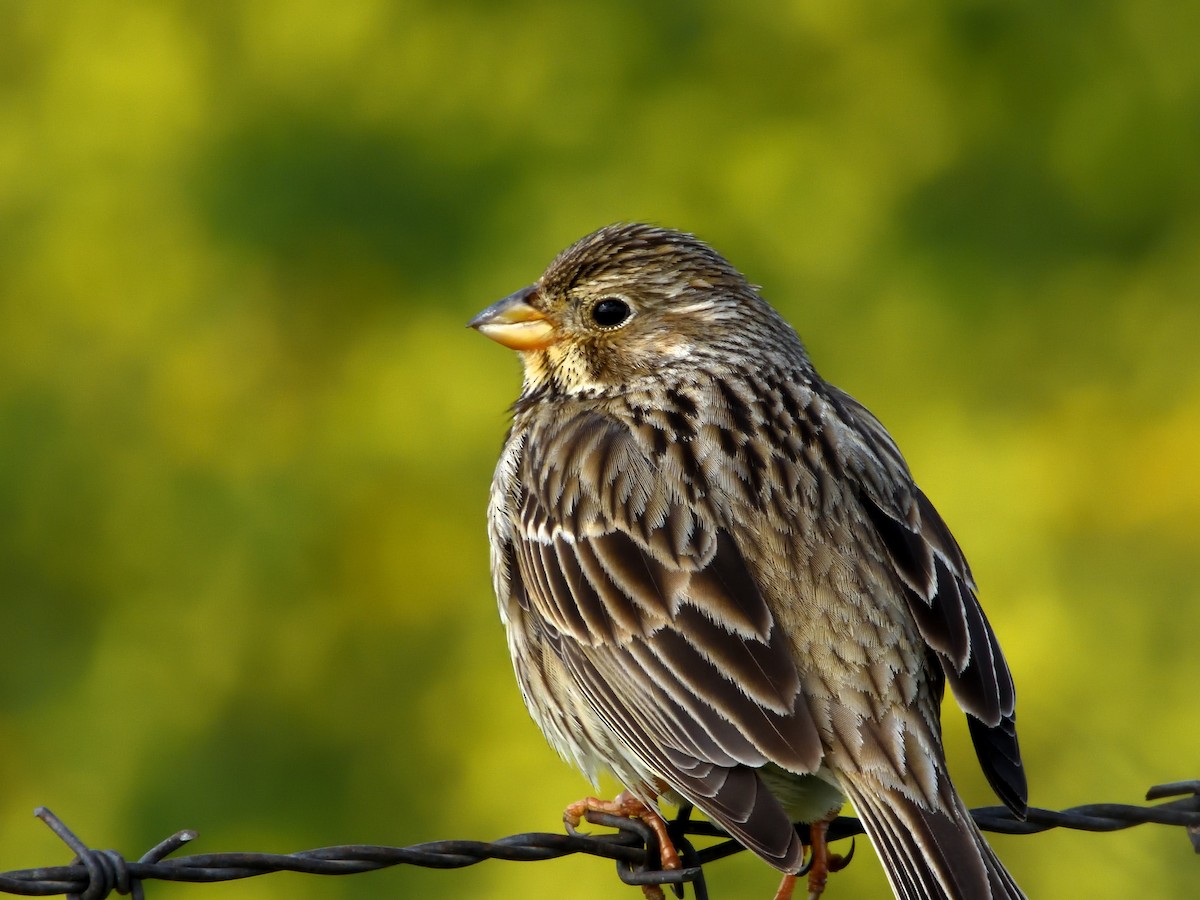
[929,854]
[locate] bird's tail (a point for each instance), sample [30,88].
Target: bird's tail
[928,854]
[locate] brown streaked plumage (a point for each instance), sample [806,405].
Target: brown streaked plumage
[717,573]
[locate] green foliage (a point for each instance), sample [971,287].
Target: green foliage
[245,440]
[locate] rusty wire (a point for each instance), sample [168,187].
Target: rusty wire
[96,874]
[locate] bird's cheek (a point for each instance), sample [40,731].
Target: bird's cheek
[671,347]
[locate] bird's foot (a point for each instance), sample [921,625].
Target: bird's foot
[630,807]
[819,864]
[822,862]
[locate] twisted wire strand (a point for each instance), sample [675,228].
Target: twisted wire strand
[96,874]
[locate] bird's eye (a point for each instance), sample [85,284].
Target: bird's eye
[610,312]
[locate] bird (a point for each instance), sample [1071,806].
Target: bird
[721,584]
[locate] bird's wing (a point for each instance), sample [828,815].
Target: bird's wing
[941,595]
[653,611]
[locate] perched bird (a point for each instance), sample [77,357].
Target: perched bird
[718,579]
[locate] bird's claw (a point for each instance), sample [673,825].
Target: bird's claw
[837,861]
[628,806]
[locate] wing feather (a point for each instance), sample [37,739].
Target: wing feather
[727,790]
[941,595]
[660,622]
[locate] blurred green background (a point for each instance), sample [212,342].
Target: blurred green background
[246,441]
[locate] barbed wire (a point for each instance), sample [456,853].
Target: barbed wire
[96,874]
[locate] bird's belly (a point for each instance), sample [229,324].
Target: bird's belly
[806,798]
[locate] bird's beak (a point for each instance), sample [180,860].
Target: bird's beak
[514,323]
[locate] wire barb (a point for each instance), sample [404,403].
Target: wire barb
[96,874]
[1190,792]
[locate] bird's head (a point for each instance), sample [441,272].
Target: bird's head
[627,303]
